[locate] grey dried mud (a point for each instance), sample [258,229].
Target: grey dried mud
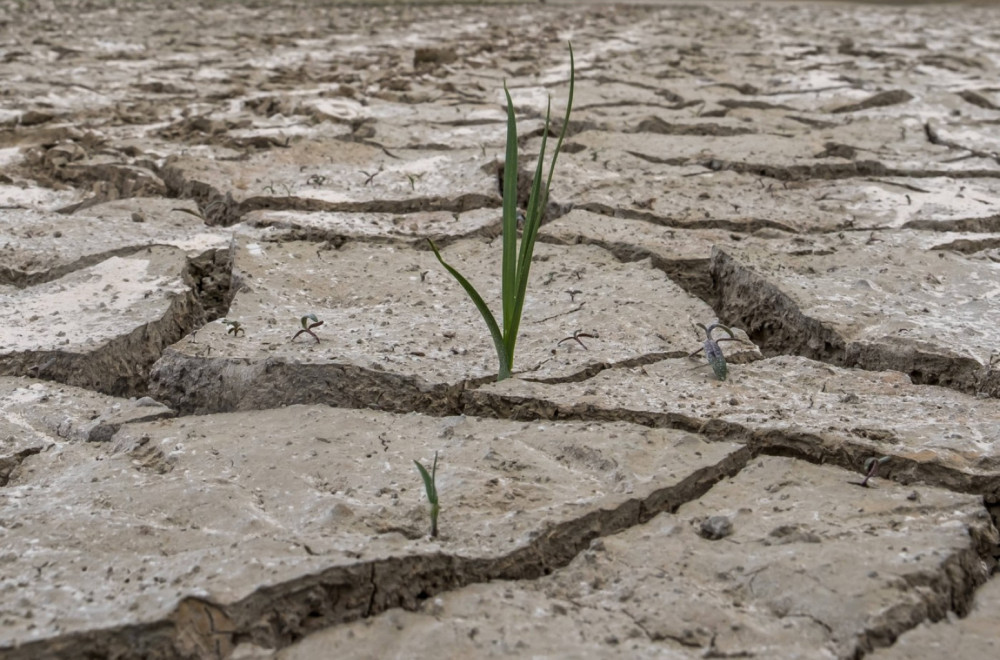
[381,344]
[924,313]
[814,174]
[803,573]
[786,406]
[103,326]
[331,534]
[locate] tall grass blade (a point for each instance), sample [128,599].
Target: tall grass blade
[508,268]
[562,133]
[516,263]
[536,209]
[487,315]
[430,486]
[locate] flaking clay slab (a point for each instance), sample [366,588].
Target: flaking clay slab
[278,522]
[400,333]
[685,253]
[976,636]
[64,413]
[627,186]
[332,225]
[39,246]
[874,302]
[36,415]
[790,405]
[101,326]
[433,113]
[804,154]
[331,175]
[779,561]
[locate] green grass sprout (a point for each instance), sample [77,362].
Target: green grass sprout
[516,262]
[430,485]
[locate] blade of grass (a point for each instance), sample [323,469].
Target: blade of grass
[509,262]
[536,209]
[516,263]
[532,219]
[569,107]
[430,485]
[491,322]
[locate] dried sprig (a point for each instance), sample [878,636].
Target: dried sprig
[234,328]
[713,351]
[871,467]
[307,327]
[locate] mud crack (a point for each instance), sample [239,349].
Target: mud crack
[276,616]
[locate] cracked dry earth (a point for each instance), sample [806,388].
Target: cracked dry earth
[822,177]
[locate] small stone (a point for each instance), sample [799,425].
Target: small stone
[716,527]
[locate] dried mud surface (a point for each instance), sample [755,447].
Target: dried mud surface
[193,466]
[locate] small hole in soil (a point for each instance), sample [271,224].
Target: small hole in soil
[423,595]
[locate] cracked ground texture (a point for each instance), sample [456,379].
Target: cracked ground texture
[182,475]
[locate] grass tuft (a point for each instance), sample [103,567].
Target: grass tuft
[516,260]
[430,486]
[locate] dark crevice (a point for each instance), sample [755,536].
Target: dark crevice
[984,225]
[658,126]
[830,171]
[326,239]
[193,383]
[10,462]
[747,225]
[593,369]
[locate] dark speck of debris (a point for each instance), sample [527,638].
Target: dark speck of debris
[716,527]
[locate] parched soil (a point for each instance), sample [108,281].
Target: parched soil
[224,339]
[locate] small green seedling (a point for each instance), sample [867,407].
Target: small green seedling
[234,328]
[430,485]
[713,351]
[516,262]
[871,468]
[413,180]
[307,328]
